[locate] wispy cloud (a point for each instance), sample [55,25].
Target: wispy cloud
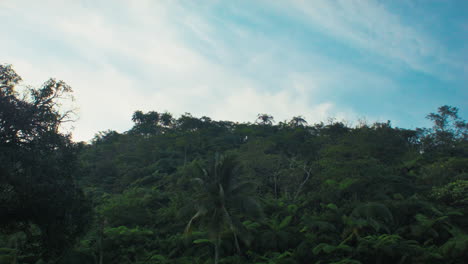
[224,60]
[371,26]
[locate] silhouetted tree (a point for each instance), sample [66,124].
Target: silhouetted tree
[265,119]
[37,164]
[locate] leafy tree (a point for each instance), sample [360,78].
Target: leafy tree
[38,194]
[166,119]
[453,194]
[447,123]
[448,131]
[146,124]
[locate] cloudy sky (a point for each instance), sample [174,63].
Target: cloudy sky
[375,60]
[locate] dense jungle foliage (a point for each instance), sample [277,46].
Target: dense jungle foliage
[195,190]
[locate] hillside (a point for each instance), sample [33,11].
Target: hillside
[195,190]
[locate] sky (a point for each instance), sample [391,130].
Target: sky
[351,60]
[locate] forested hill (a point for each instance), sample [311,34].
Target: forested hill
[194,190]
[293,192]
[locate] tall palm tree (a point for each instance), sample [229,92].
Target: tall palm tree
[265,119]
[297,121]
[222,201]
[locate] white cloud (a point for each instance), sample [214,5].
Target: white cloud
[283,105]
[138,58]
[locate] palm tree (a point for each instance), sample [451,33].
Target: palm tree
[222,200]
[297,121]
[265,119]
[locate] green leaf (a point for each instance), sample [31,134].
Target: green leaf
[329,249]
[201,240]
[285,221]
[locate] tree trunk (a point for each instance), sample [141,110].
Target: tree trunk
[101,235]
[237,244]
[308,173]
[217,242]
[185,155]
[15,257]
[233,230]
[275,179]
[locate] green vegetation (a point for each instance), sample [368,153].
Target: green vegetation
[195,190]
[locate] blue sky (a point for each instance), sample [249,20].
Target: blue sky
[230,60]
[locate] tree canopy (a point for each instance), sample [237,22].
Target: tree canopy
[38,195]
